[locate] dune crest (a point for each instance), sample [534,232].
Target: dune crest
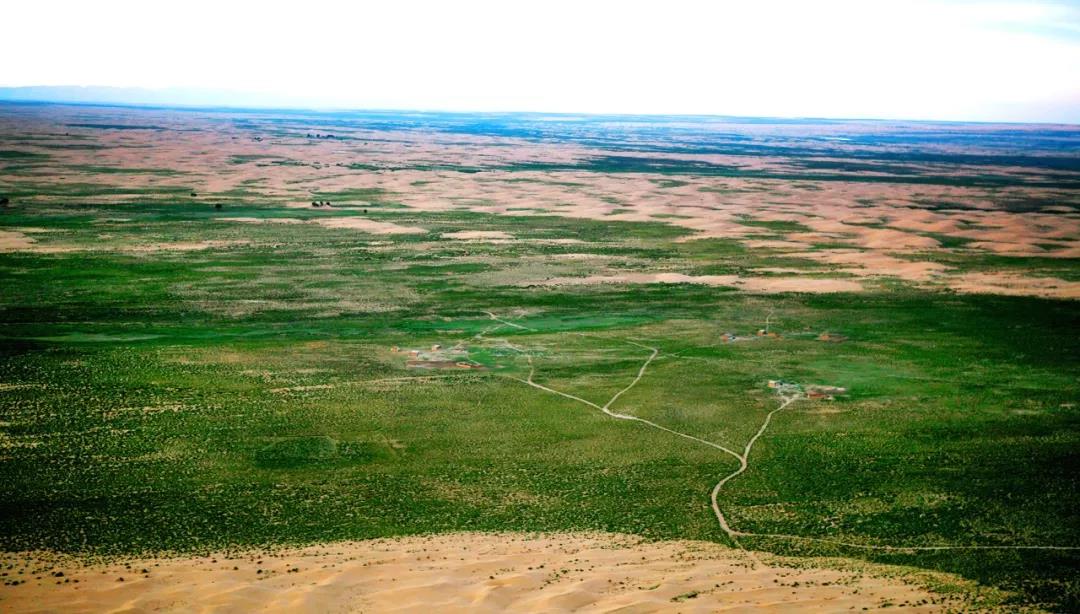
[463,572]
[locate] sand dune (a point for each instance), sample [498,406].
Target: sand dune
[459,572]
[872,229]
[11,241]
[1017,285]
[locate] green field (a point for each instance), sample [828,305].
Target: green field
[246,394]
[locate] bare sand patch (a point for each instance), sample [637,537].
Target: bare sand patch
[16,241]
[303,388]
[473,572]
[875,263]
[262,220]
[562,241]
[775,244]
[764,285]
[477,235]
[578,256]
[13,241]
[1014,284]
[355,223]
[888,238]
[767,285]
[34,230]
[370,226]
[637,278]
[182,246]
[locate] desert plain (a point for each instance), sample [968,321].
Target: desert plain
[381,361]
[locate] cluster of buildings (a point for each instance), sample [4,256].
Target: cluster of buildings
[456,357]
[825,393]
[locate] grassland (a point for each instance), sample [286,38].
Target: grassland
[172,379]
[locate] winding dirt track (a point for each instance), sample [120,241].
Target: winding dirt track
[743,459]
[743,464]
[606,407]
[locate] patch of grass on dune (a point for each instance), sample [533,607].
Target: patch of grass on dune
[123,170]
[15,154]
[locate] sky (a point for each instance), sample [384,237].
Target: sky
[894,59]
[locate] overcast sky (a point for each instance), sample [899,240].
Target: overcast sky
[916,59]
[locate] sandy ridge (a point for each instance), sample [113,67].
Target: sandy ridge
[466,572]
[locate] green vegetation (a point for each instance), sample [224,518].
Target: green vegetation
[14,154]
[775,225]
[670,183]
[175,380]
[245,394]
[1061,268]
[370,194]
[245,158]
[843,172]
[948,241]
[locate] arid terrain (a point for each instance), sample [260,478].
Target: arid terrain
[488,573]
[382,361]
[882,212]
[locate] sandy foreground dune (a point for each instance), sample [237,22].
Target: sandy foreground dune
[459,572]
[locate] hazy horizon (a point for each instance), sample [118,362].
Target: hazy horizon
[947,60]
[194,99]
